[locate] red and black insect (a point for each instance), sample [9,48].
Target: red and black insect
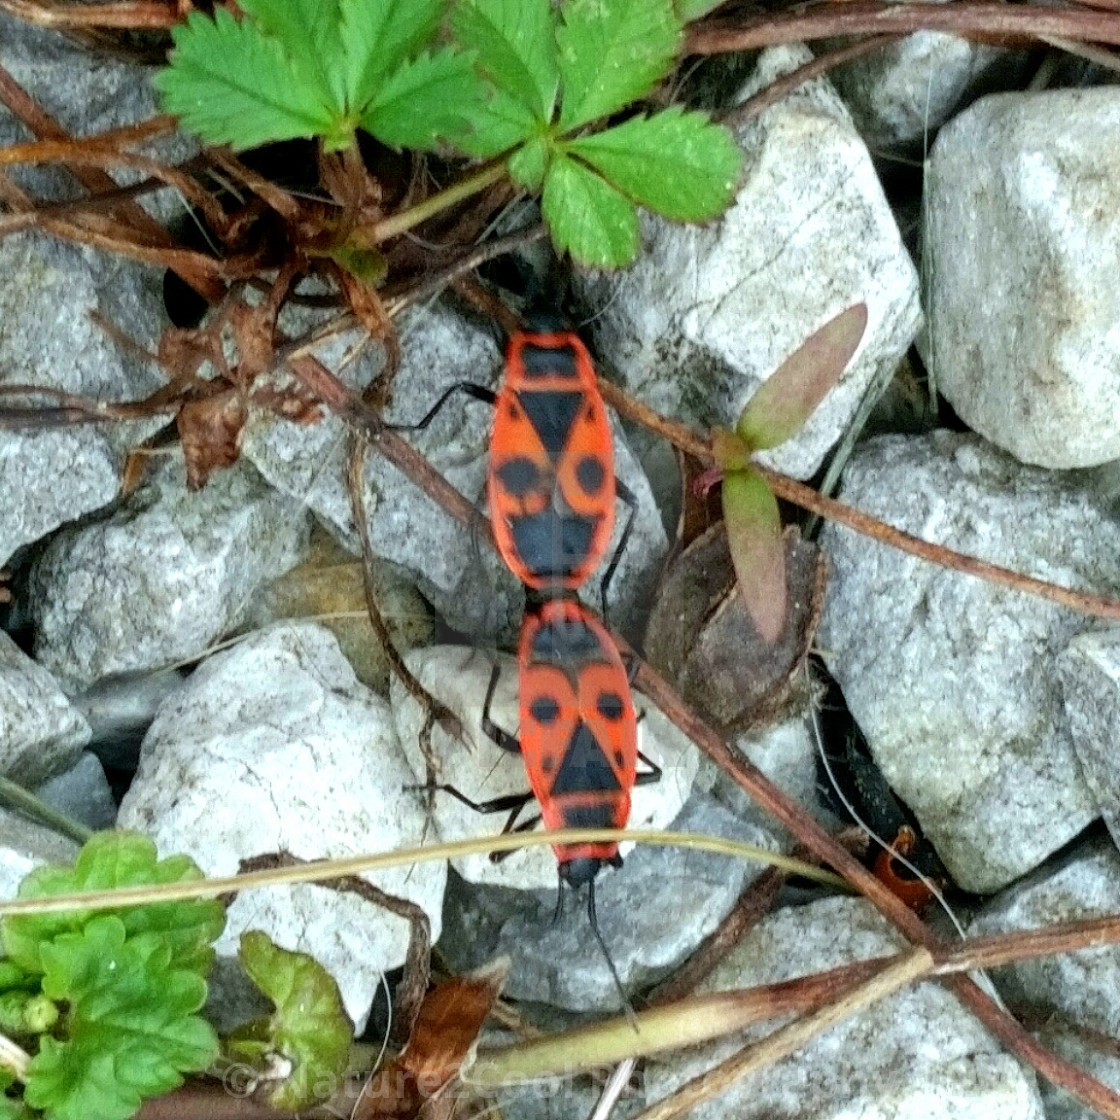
[578,738]
[550,484]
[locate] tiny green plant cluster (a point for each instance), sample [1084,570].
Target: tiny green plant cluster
[107,1002]
[535,88]
[110,998]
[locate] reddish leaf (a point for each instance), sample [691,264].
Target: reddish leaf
[210,433]
[443,1038]
[754,535]
[788,398]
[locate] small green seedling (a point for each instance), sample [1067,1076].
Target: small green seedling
[110,998]
[525,84]
[776,413]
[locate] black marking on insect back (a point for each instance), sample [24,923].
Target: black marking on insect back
[590,474]
[545,710]
[610,706]
[552,415]
[520,476]
[551,545]
[585,768]
[542,361]
[588,816]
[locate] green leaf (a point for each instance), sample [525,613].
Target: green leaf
[428,99]
[378,35]
[788,397]
[676,163]
[309,1026]
[515,46]
[132,1032]
[689,10]
[118,859]
[613,52]
[230,84]
[588,217]
[498,123]
[307,30]
[754,535]
[528,165]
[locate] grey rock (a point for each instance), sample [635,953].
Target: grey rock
[24,846]
[120,709]
[653,912]
[40,732]
[274,745]
[48,339]
[82,793]
[466,583]
[901,94]
[480,770]
[1080,986]
[708,313]
[163,577]
[951,678]
[561,1098]
[1090,673]
[915,1056]
[1022,207]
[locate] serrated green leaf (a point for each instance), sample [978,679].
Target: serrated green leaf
[693,9]
[230,84]
[497,124]
[788,397]
[132,1028]
[754,535]
[428,99]
[515,46]
[378,35]
[118,859]
[528,164]
[613,52]
[309,1026]
[676,163]
[588,217]
[307,30]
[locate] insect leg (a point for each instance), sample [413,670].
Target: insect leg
[478,392]
[490,729]
[626,496]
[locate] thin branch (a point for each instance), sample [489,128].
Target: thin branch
[860,17]
[851,518]
[153,15]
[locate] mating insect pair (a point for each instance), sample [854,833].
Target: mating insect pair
[551,489]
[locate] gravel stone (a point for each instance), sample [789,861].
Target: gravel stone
[915,1056]
[82,793]
[24,846]
[163,577]
[275,746]
[1090,675]
[708,313]
[952,679]
[1080,986]
[1023,254]
[40,732]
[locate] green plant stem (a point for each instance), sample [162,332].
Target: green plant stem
[441,200]
[16,797]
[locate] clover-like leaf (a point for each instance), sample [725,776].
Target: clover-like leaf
[309,1027]
[587,216]
[132,1031]
[788,397]
[676,163]
[613,52]
[232,84]
[117,859]
[754,535]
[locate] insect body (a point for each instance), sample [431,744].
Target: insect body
[578,739]
[551,482]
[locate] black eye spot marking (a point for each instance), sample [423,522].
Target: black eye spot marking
[544,710]
[618,759]
[548,766]
[590,474]
[610,705]
[520,477]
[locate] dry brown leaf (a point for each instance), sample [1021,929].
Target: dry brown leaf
[210,433]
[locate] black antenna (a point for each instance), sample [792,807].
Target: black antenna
[627,1006]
